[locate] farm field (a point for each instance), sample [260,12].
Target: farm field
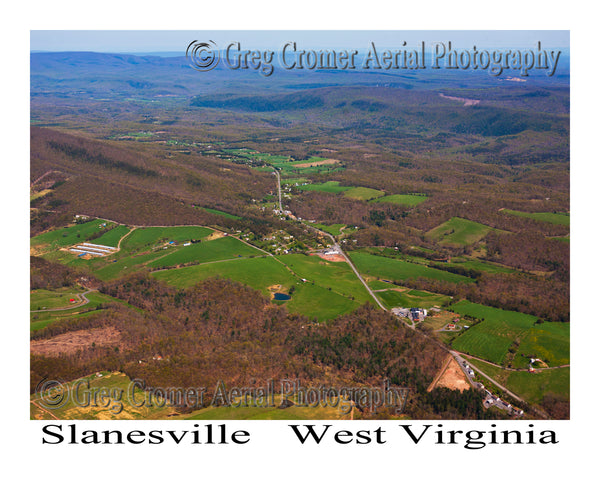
[320,303]
[530,386]
[112,237]
[334,229]
[39,320]
[149,248]
[395,255]
[548,341]
[399,270]
[223,214]
[207,251]
[262,273]
[258,273]
[294,180]
[379,285]
[286,164]
[338,276]
[44,299]
[122,263]
[411,298]
[550,217]
[154,236]
[408,200]
[478,265]
[62,237]
[458,231]
[329,187]
[491,338]
[363,193]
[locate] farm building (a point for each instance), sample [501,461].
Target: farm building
[103,247]
[418,314]
[85,248]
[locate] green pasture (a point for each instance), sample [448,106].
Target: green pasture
[337,276]
[548,341]
[112,237]
[533,386]
[293,180]
[329,187]
[399,270]
[478,265]
[154,236]
[458,231]
[530,386]
[411,298]
[316,300]
[363,193]
[334,229]
[258,273]
[286,164]
[206,251]
[408,200]
[491,338]
[223,214]
[39,320]
[62,237]
[44,299]
[557,218]
[122,263]
[379,285]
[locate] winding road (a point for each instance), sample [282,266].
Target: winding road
[81,296]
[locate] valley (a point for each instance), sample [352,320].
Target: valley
[339,234]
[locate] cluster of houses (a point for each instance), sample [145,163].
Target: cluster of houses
[494,400]
[490,398]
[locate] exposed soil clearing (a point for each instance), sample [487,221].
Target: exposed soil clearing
[70,342]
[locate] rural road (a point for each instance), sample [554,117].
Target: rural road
[278,188]
[123,238]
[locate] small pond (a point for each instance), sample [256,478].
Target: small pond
[281,296]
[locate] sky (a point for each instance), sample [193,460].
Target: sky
[144,41]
